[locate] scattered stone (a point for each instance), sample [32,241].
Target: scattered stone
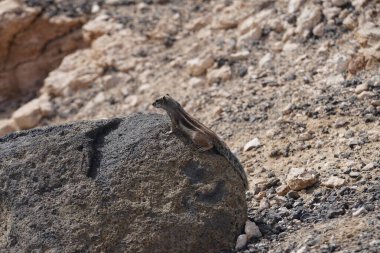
[198,66]
[334,182]
[7,126]
[301,178]
[264,204]
[28,115]
[306,136]
[241,242]
[334,212]
[282,190]
[266,60]
[368,33]
[331,13]
[289,47]
[354,174]
[254,143]
[251,36]
[287,109]
[293,195]
[252,230]
[361,87]
[196,82]
[260,195]
[341,122]
[369,166]
[294,5]
[241,55]
[198,23]
[309,18]
[359,211]
[219,75]
[247,25]
[350,22]
[366,94]
[318,30]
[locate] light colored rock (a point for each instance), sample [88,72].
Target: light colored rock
[198,23]
[114,79]
[333,80]
[301,178]
[241,55]
[361,87]
[368,33]
[252,230]
[100,25]
[282,190]
[309,18]
[219,75]
[350,22]
[25,59]
[266,60]
[251,36]
[198,66]
[369,166]
[247,25]
[354,174]
[264,204]
[261,194]
[331,13]
[366,95]
[196,82]
[241,242]
[76,72]
[225,20]
[287,109]
[290,47]
[334,182]
[28,115]
[7,126]
[294,5]
[46,108]
[306,136]
[319,29]
[359,211]
[254,143]
[341,63]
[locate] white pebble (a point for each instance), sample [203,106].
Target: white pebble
[254,143]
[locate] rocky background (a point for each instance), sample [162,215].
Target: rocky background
[293,87]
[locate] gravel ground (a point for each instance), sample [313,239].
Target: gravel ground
[306,97]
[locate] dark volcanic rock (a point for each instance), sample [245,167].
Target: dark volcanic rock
[119,185]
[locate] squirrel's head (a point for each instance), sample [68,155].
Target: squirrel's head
[166,102]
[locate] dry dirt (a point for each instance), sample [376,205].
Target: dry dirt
[304,81]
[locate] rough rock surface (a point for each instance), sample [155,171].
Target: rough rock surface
[119,185]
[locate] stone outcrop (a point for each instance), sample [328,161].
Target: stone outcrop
[32,44]
[119,185]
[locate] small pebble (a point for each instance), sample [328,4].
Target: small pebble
[252,230]
[359,211]
[354,174]
[254,143]
[241,242]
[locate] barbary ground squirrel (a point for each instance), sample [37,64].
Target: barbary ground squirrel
[203,137]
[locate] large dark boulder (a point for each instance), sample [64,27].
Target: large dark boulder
[120,185]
